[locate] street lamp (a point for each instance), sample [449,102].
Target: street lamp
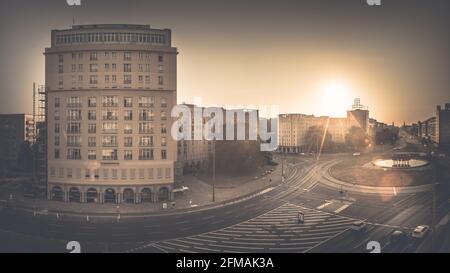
[214,171]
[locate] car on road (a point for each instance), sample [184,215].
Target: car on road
[359,226]
[356,154]
[420,232]
[397,237]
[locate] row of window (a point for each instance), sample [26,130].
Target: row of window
[127,56]
[111,173]
[111,101]
[115,37]
[144,115]
[110,128]
[109,141]
[110,79]
[93,68]
[109,154]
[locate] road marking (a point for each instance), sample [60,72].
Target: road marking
[395,191]
[325,204]
[342,208]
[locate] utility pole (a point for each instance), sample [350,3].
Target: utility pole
[214,171]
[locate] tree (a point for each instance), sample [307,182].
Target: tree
[314,137]
[356,139]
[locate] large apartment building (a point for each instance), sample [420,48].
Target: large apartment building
[110,90]
[293,128]
[437,128]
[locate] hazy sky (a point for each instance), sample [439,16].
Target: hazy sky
[310,56]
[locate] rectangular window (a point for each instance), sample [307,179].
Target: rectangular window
[163,154]
[128,102]
[160,80]
[146,141]
[74,68]
[109,141]
[57,102]
[163,115]
[110,101]
[141,68]
[163,141]
[114,67]
[109,154]
[92,155]
[56,128]
[163,102]
[160,68]
[114,174]
[57,140]
[92,102]
[109,115]
[163,128]
[128,142]
[146,154]
[92,115]
[146,101]
[146,114]
[93,79]
[126,79]
[74,141]
[128,115]
[92,141]
[147,68]
[106,67]
[150,174]
[73,154]
[80,68]
[145,128]
[126,67]
[110,128]
[56,154]
[127,56]
[93,56]
[159,173]
[160,58]
[93,67]
[127,128]
[128,155]
[73,102]
[106,79]
[73,114]
[73,128]
[61,58]
[168,172]
[92,128]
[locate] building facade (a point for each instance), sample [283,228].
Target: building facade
[437,128]
[15,130]
[110,90]
[293,128]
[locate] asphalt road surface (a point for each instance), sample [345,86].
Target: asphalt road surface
[267,222]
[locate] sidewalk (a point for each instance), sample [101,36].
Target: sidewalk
[197,197]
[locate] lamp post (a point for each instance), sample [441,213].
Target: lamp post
[214,171]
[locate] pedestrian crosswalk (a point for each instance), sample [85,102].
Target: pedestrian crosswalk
[335,206]
[276,231]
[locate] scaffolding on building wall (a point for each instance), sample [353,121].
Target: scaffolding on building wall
[40,139]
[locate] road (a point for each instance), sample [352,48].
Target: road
[267,222]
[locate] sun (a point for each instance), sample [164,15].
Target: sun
[335,98]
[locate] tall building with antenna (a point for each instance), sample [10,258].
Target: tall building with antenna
[110,89]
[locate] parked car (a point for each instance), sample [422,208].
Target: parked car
[397,237]
[420,232]
[356,154]
[359,226]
